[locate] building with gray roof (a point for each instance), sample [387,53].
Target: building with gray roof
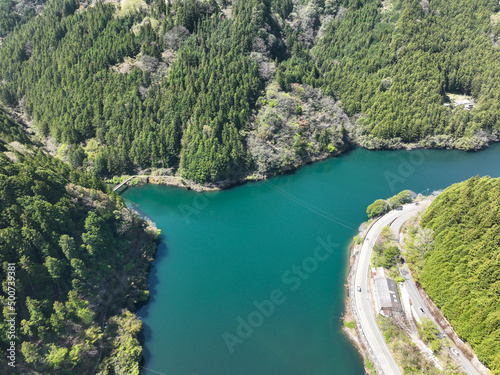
[387,299]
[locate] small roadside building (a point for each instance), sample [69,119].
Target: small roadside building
[466,103]
[462,102]
[387,299]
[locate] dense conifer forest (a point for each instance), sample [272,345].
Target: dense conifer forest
[461,272]
[79,261]
[180,86]
[397,62]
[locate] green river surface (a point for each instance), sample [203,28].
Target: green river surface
[224,253]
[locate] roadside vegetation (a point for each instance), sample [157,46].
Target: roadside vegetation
[407,341]
[349,324]
[418,242]
[409,356]
[381,206]
[429,333]
[386,254]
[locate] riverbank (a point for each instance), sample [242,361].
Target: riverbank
[476,143]
[352,136]
[176,181]
[419,337]
[184,183]
[349,326]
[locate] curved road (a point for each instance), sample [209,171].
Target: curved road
[362,303]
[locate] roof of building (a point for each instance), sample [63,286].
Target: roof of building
[387,293]
[378,272]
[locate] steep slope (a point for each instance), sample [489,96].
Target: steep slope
[193,115]
[125,87]
[462,271]
[72,258]
[399,61]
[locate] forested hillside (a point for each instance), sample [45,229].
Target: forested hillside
[66,83]
[78,261]
[15,13]
[461,273]
[397,61]
[199,88]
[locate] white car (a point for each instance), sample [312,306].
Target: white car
[359,289]
[455,351]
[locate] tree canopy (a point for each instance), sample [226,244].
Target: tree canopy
[79,256]
[138,85]
[381,206]
[396,62]
[461,273]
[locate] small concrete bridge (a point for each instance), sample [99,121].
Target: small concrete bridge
[123,183]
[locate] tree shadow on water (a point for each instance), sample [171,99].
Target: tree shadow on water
[153,279]
[143,311]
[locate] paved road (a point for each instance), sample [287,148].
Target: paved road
[362,303]
[418,302]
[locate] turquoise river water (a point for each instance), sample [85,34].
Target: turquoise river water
[250,281]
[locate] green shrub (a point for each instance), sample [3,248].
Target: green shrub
[376,208]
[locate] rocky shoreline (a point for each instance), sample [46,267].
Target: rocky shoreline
[354,334]
[354,136]
[184,183]
[478,142]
